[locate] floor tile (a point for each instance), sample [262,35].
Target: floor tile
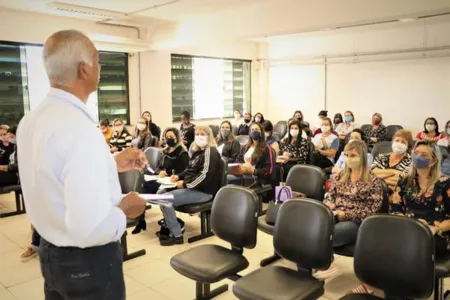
[147,294]
[151,274]
[5,294]
[24,290]
[6,245]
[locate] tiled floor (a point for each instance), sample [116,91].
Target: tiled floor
[147,277]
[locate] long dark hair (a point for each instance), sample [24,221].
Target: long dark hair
[338,116]
[300,112]
[262,118]
[259,150]
[436,128]
[299,136]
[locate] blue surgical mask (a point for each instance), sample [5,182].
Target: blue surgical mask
[421,162]
[348,118]
[255,135]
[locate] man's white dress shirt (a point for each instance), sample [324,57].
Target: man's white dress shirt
[69,179]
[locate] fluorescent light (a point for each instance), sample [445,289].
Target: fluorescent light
[84,11]
[327,29]
[405,20]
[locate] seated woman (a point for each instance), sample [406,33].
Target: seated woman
[9,173]
[228,146]
[337,120]
[354,195]
[154,129]
[258,118]
[121,138]
[237,120]
[430,131]
[174,160]
[445,142]
[257,160]
[389,166]
[347,126]
[322,115]
[198,183]
[376,133]
[106,130]
[298,116]
[423,194]
[6,148]
[270,139]
[293,149]
[326,144]
[356,135]
[143,137]
[245,127]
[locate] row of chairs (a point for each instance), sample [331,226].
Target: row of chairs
[303,234]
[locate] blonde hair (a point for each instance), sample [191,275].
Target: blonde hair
[4,127]
[405,134]
[361,148]
[435,170]
[209,134]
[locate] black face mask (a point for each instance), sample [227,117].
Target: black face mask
[247,121]
[299,118]
[170,142]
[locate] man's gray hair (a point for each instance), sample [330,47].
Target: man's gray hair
[63,52]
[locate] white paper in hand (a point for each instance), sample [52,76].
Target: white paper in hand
[150,177]
[165,181]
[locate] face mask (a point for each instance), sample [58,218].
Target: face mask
[141,126]
[247,121]
[325,129]
[299,118]
[376,121]
[255,135]
[399,148]
[119,128]
[294,132]
[267,133]
[430,127]
[225,133]
[201,140]
[170,142]
[448,131]
[348,119]
[421,162]
[237,116]
[257,119]
[352,162]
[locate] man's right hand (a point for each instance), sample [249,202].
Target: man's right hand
[132,205]
[174,178]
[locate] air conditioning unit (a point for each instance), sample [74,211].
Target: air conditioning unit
[118,43]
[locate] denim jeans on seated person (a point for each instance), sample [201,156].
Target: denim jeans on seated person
[181,197]
[345,233]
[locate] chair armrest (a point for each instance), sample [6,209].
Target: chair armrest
[261,190]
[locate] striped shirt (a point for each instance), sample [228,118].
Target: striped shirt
[382,162]
[121,141]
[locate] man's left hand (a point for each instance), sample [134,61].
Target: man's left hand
[131,159]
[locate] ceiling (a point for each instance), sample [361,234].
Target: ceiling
[246,19]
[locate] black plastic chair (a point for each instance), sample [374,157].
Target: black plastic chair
[131,181]
[204,208]
[381,147]
[305,179]
[349,250]
[303,234]
[391,130]
[442,271]
[234,129]
[233,219]
[394,254]
[20,203]
[214,129]
[153,156]
[280,128]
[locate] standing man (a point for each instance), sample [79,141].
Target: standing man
[70,182]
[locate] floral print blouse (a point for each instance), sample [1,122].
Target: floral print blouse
[380,133]
[299,153]
[358,200]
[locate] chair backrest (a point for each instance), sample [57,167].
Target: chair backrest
[223,180]
[234,216]
[444,152]
[215,129]
[311,150]
[309,180]
[242,139]
[303,233]
[365,127]
[280,128]
[391,130]
[131,181]
[395,254]
[155,141]
[381,147]
[277,136]
[385,204]
[235,129]
[153,155]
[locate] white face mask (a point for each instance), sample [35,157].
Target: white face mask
[141,126]
[325,129]
[399,148]
[448,131]
[237,116]
[201,140]
[257,119]
[294,132]
[430,127]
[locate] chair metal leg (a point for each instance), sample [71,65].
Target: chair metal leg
[438,289]
[205,225]
[203,291]
[269,260]
[20,206]
[125,255]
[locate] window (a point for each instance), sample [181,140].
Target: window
[24,84]
[209,87]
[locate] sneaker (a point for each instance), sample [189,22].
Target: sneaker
[361,289]
[171,240]
[29,253]
[331,272]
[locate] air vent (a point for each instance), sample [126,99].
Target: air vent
[86,12]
